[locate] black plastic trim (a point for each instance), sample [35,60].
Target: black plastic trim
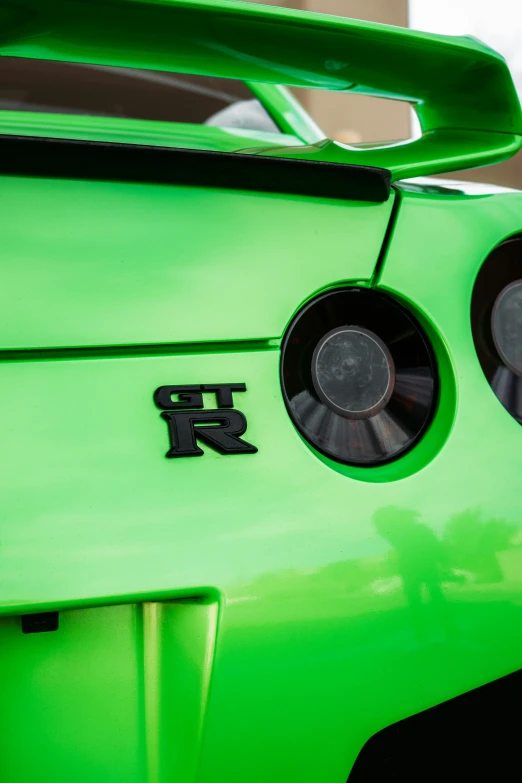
[472,737]
[40,623]
[388,237]
[131,351]
[96,160]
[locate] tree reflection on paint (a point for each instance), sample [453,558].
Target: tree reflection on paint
[421,563]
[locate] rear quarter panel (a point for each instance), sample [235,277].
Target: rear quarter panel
[316,640]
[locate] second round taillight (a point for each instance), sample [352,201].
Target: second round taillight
[496,321]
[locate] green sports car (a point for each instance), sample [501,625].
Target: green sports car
[332,590]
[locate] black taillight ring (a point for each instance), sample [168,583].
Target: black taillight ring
[359,376]
[496,322]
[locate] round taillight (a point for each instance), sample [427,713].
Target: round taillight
[496,320]
[359,377]
[506,326]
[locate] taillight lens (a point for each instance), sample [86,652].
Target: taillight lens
[506,326]
[496,319]
[359,377]
[353,372]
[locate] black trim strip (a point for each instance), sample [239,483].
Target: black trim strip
[131,351]
[95,160]
[388,236]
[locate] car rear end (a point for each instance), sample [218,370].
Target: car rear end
[216,562]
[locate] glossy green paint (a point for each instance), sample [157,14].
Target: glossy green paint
[287,112]
[470,90]
[110,689]
[130,131]
[317,645]
[122,264]
[432,153]
[322,638]
[235,618]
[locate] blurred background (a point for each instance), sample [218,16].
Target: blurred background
[353,118]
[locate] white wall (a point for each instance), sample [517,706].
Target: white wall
[498,24]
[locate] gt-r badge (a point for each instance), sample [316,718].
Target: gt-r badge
[187,422]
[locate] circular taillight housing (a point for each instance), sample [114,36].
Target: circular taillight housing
[359,377]
[506,326]
[496,320]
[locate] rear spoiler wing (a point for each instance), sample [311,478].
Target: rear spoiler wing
[462,91]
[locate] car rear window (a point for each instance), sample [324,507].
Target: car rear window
[98,90]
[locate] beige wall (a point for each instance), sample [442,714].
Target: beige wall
[356,117]
[508,174]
